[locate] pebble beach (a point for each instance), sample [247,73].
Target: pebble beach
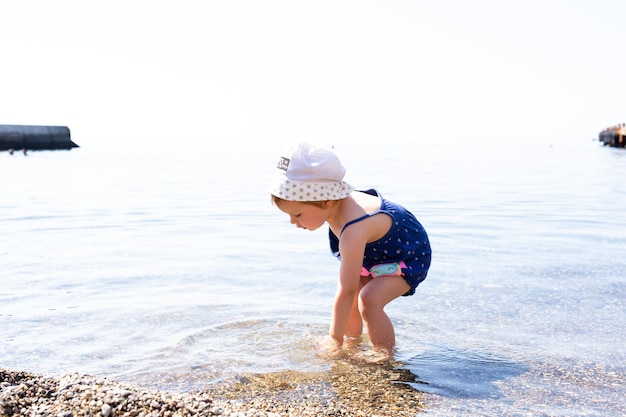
[346,390]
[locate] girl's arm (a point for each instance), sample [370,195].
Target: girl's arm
[351,247]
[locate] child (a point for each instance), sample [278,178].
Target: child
[384,251]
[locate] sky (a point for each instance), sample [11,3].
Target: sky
[207,72]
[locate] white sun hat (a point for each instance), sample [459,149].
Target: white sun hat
[307,172]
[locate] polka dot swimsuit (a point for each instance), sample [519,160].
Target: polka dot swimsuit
[406,241]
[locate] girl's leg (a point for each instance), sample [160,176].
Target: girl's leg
[373,298]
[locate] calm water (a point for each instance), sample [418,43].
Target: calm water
[169,267]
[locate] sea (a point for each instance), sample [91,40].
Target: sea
[168,267]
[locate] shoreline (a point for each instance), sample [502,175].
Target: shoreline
[347,390]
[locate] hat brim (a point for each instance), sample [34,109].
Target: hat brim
[309,191]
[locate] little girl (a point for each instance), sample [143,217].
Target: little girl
[383,249]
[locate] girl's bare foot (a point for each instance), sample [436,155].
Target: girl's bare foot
[328,349]
[352,342]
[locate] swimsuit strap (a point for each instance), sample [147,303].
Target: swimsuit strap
[358,220]
[371,192]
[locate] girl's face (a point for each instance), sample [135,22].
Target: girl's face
[305,216]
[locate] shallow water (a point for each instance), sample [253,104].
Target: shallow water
[170,268]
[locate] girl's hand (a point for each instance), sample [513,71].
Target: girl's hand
[329,348]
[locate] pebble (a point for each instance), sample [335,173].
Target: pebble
[346,391]
[106,410]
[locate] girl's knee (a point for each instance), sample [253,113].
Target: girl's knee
[369,302]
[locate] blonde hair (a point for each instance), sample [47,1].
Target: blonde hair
[277,200]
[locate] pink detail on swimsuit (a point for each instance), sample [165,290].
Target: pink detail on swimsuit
[394,269]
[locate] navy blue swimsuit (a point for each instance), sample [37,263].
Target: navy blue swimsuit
[406,241]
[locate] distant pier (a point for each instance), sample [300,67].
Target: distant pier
[614,136]
[25,137]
